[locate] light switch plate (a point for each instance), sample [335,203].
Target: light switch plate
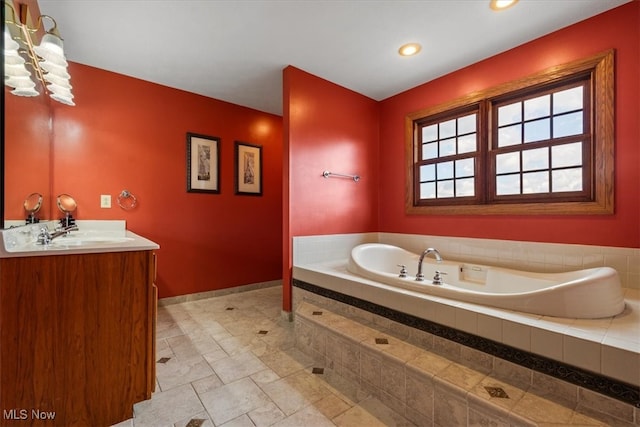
[105,200]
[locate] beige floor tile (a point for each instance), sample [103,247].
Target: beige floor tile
[283,394]
[285,363]
[307,416]
[176,372]
[237,366]
[223,370]
[331,406]
[384,414]
[207,384]
[265,377]
[266,415]
[233,400]
[202,419]
[357,417]
[187,346]
[236,344]
[168,407]
[242,421]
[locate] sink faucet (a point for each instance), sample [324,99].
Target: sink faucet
[44,238]
[436,254]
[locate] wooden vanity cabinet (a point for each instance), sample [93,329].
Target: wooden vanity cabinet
[76,338]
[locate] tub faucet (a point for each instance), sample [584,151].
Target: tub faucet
[436,254]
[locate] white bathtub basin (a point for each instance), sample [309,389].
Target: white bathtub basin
[589,293]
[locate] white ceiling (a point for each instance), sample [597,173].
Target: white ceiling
[235,51]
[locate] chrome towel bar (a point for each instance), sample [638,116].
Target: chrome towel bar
[328,174]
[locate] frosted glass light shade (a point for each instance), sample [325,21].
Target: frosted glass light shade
[9,43]
[19,82]
[60,90]
[16,70]
[55,70]
[68,100]
[57,80]
[12,58]
[25,92]
[50,45]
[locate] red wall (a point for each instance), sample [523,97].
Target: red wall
[130,134]
[328,128]
[618,29]
[28,169]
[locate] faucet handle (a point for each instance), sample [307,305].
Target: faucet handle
[44,237]
[403,271]
[437,279]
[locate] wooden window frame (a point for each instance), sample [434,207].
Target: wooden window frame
[439,118]
[601,68]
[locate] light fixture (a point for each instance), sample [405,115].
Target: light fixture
[409,49]
[46,59]
[498,5]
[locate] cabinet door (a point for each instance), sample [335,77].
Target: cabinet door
[74,334]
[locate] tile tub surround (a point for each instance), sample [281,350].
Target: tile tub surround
[430,389]
[528,256]
[609,347]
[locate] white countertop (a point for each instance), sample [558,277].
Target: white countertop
[91,237]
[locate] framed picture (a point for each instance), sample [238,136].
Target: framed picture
[248,159]
[203,163]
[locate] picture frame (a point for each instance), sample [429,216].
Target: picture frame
[248,169]
[203,163]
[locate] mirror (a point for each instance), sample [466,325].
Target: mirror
[32,205]
[67,206]
[27,148]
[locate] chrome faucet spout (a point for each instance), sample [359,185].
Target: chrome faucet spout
[436,254]
[44,238]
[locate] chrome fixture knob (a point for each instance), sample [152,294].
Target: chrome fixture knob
[403,271]
[437,279]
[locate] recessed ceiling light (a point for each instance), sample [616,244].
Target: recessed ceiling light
[409,49]
[501,4]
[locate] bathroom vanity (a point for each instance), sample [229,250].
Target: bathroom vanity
[77,334]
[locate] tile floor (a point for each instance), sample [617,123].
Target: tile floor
[230,361]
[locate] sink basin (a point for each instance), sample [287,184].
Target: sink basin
[88,240]
[91,237]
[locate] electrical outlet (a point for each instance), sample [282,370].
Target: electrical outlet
[105,200]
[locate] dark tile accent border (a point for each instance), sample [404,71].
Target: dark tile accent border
[497,392]
[599,383]
[195,422]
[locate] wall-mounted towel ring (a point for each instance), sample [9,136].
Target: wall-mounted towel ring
[328,174]
[126,200]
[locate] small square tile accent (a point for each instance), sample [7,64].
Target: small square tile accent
[497,392]
[317,313]
[164,359]
[318,371]
[195,422]
[382,341]
[263,332]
